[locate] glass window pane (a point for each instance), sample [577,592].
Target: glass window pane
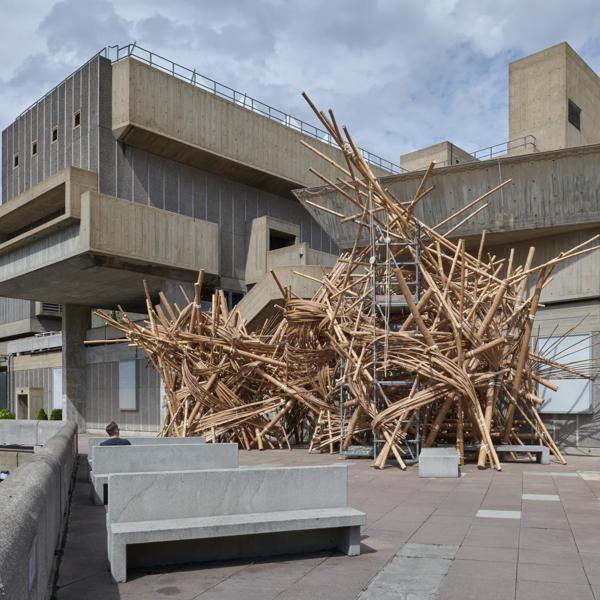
[127,391]
[573,395]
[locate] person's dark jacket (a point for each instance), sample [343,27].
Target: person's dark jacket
[115,441]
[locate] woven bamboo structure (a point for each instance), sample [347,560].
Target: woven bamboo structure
[455,365]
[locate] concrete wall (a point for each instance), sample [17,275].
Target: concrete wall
[444,153]
[34,501]
[583,88]
[540,86]
[102,393]
[135,174]
[574,279]
[76,146]
[153,110]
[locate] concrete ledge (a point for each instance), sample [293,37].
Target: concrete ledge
[23,432]
[34,501]
[438,462]
[156,458]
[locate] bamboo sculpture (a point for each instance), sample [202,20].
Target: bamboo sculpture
[409,334]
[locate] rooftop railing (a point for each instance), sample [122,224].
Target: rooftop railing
[526,143]
[117,53]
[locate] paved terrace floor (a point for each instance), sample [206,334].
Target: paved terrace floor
[423,540]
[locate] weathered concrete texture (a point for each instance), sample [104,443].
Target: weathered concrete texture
[259,303]
[75,322]
[263,511]
[75,146]
[27,433]
[93,442]
[550,192]
[156,111]
[541,453]
[438,462]
[10,460]
[540,86]
[444,154]
[100,257]
[33,500]
[415,573]
[146,458]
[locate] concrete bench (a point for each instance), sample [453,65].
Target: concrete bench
[438,462]
[142,441]
[169,518]
[542,452]
[157,458]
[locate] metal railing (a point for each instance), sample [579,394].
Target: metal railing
[527,142]
[117,53]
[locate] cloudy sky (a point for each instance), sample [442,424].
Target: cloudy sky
[401,74]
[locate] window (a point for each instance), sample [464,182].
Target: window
[573,395]
[127,387]
[34,148]
[574,115]
[16,160]
[54,134]
[77,119]
[57,388]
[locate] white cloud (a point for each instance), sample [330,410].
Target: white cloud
[402,75]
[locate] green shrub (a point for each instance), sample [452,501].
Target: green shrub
[42,416]
[6,414]
[56,414]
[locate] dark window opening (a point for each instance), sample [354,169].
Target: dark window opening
[279,239]
[54,134]
[33,148]
[77,119]
[16,161]
[574,115]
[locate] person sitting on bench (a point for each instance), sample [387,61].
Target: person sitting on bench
[114,440]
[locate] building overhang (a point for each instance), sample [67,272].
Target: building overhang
[102,251]
[166,116]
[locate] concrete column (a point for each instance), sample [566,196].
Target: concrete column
[76,320]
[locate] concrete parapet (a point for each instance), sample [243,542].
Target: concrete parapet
[23,432]
[34,501]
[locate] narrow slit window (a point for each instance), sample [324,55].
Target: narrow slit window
[574,115]
[54,134]
[77,119]
[127,385]
[33,148]
[16,160]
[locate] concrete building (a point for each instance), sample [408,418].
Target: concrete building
[135,168]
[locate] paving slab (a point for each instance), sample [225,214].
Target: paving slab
[499,514]
[542,497]
[417,529]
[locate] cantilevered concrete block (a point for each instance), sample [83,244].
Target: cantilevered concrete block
[438,462]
